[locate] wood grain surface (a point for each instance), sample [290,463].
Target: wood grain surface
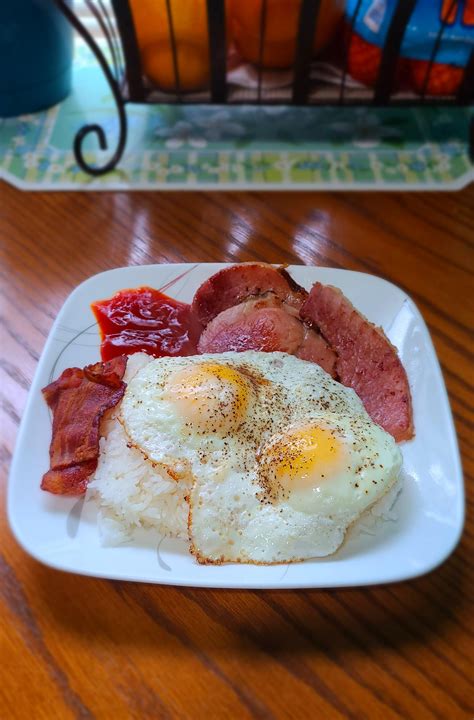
[75,647]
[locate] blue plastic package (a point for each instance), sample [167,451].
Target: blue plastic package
[457,44]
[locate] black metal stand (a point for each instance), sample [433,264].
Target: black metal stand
[127,81]
[117,95]
[471,140]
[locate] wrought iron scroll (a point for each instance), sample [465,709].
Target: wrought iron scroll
[114,84]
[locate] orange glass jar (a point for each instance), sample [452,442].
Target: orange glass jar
[192,45]
[281,28]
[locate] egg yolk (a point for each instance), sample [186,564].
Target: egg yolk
[299,461]
[209,396]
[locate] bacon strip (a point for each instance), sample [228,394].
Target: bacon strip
[78,399]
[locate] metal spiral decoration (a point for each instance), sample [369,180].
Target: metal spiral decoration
[116,93]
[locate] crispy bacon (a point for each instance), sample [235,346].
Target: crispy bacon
[78,399]
[107,373]
[69,481]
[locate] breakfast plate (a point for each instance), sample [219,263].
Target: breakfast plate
[421,531]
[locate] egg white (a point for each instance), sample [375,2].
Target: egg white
[261,492]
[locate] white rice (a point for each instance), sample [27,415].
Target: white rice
[129,491]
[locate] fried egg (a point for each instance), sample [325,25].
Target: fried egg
[282,458]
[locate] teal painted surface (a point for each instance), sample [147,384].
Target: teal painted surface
[36,47]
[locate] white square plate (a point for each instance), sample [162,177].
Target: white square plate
[62,532]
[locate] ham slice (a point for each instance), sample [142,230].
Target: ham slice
[366,362]
[314,348]
[78,399]
[265,324]
[237,283]
[260,324]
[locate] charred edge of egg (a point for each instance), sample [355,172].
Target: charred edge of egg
[204,559]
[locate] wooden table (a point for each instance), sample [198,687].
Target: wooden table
[79,647]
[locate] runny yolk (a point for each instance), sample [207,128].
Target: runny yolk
[303,458]
[210,396]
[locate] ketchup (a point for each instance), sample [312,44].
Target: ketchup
[146,320]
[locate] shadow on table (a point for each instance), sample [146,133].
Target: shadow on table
[276,623]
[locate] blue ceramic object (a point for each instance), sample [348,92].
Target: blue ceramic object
[35,56]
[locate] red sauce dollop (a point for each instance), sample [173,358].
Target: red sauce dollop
[147,320]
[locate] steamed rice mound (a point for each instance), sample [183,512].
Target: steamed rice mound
[131,492]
